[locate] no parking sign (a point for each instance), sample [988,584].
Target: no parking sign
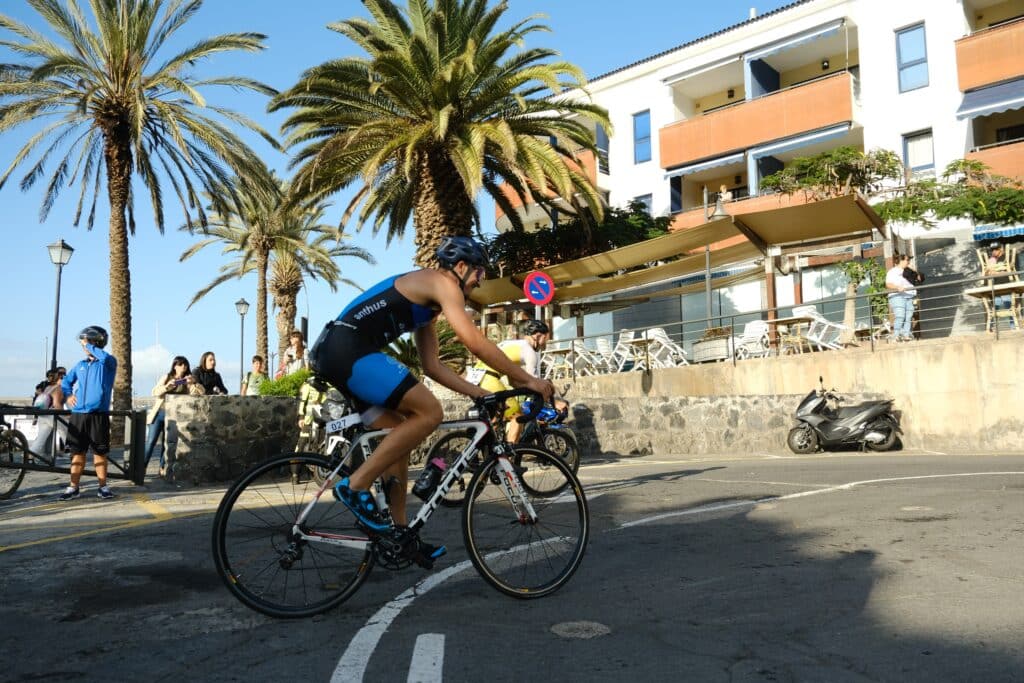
[539,288]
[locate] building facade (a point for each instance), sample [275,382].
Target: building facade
[932,80]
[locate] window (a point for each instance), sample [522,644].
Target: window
[1010,133]
[642,137]
[675,194]
[912,58]
[918,155]
[645,199]
[601,139]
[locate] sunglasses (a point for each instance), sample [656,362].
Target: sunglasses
[481,272]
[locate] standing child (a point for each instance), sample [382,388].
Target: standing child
[254,378]
[88,387]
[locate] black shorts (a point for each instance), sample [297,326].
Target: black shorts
[370,377]
[89,430]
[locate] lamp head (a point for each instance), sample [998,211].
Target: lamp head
[242,306]
[60,252]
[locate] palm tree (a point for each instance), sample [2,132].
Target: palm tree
[110,110]
[438,110]
[262,230]
[307,248]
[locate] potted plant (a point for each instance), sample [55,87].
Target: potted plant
[714,344]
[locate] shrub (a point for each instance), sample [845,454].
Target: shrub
[286,386]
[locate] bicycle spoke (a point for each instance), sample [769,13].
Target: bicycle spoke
[522,558]
[265,564]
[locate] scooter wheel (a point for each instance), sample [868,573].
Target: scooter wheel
[887,425]
[802,440]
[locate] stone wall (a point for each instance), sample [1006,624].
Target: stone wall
[220,436]
[958,394]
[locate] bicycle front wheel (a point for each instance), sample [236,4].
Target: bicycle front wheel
[13,455]
[269,567]
[518,556]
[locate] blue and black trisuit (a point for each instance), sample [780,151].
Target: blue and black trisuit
[348,352]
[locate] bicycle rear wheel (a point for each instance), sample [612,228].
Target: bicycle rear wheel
[265,565]
[562,443]
[519,557]
[13,454]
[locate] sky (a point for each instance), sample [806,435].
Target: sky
[596,35]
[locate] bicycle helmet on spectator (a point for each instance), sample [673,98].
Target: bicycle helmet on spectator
[95,335]
[532,327]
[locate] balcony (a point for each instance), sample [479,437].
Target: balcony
[587,165]
[801,108]
[991,55]
[1005,159]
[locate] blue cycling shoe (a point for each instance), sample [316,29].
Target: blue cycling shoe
[364,506]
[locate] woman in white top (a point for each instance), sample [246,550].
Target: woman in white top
[901,298]
[295,357]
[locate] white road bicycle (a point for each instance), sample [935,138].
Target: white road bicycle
[292,550]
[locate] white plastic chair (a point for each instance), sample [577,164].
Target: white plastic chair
[753,343]
[822,332]
[610,362]
[665,352]
[623,350]
[584,360]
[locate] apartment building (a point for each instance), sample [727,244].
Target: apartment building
[933,80]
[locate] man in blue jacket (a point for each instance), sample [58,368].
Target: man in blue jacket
[89,426]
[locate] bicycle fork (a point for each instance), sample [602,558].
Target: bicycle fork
[512,485]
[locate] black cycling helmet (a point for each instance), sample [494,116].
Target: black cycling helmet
[95,335]
[532,327]
[455,249]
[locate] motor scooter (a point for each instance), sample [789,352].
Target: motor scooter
[822,423]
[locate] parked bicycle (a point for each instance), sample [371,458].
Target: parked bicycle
[287,550]
[14,455]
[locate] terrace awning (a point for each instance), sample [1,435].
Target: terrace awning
[992,99]
[828,220]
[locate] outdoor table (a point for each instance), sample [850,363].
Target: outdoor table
[638,349]
[986,292]
[556,360]
[796,341]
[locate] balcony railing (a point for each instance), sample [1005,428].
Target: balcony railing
[992,55]
[1005,158]
[799,109]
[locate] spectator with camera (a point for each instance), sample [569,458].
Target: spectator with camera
[179,381]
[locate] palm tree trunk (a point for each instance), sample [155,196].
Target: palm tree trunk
[441,206]
[118,155]
[849,314]
[286,308]
[262,345]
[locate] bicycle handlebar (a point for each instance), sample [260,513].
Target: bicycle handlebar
[491,402]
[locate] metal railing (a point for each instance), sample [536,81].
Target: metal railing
[943,309]
[126,461]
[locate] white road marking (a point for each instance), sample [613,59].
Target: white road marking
[352,666]
[715,507]
[427,659]
[353,663]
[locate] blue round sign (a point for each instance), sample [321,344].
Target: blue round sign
[539,288]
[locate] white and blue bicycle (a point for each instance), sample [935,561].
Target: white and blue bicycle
[290,549]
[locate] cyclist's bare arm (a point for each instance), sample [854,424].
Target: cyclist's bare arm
[427,347]
[430,286]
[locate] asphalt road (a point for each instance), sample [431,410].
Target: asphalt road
[844,567]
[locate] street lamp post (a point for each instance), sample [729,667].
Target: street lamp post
[60,254]
[242,306]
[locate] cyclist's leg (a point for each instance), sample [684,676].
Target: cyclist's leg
[420,414]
